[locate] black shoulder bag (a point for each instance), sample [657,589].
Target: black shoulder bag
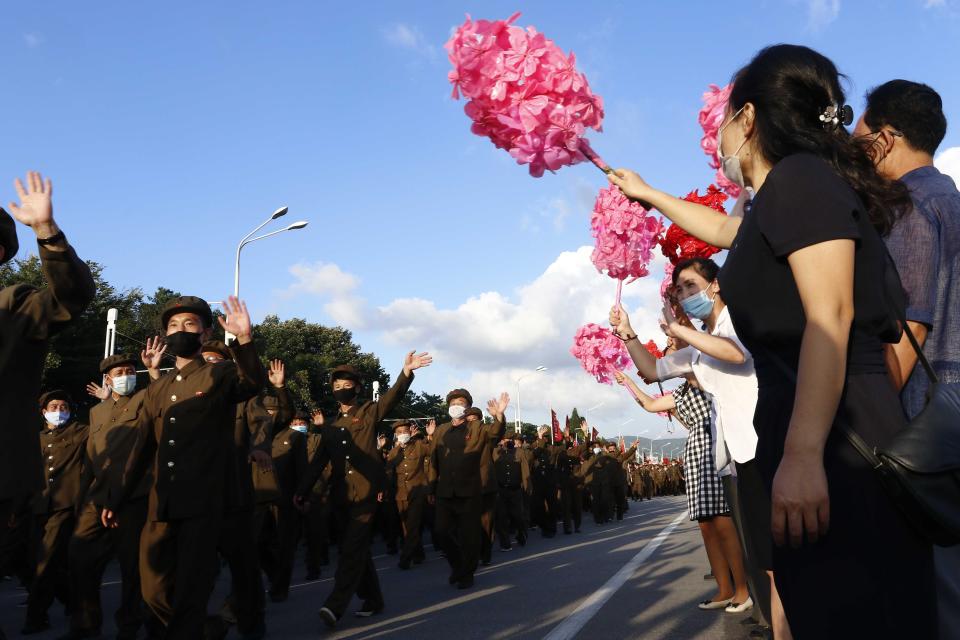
[920,467]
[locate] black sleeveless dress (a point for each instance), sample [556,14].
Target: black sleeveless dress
[871,576]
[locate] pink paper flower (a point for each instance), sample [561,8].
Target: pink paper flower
[523,92]
[662,414]
[711,118]
[600,352]
[667,280]
[625,234]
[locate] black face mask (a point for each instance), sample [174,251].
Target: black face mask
[510,444]
[345,395]
[183,344]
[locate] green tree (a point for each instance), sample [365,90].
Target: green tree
[310,351]
[575,424]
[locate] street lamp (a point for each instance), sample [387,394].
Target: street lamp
[540,369]
[247,239]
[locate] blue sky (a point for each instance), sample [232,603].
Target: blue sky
[171,129]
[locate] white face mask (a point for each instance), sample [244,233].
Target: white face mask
[56,418]
[730,165]
[124,385]
[597,450]
[456,411]
[403,438]
[302,428]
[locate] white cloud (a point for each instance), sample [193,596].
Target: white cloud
[948,162]
[932,4]
[409,37]
[820,13]
[552,212]
[488,340]
[33,39]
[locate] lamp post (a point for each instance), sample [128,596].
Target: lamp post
[519,425]
[247,239]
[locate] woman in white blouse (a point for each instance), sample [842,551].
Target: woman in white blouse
[724,369]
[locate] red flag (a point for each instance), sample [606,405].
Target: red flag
[557,434]
[595,435]
[623,445]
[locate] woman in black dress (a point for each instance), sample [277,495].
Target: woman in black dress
[804,281]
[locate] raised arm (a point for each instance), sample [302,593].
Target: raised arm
[698,220]
[394,395]
[497,408]
[649,403]
[250,378]
[721,348]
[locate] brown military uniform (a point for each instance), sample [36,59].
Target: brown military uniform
[54,509]
[187,440]
[512,472]
[571,488]
[112,437]
[29,317]
[455,470]
[545,503]
[410,465]
[317,518]
[278,522]
[349,446]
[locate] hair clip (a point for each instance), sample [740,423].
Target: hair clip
[836,114]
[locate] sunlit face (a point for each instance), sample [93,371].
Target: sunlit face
[690,283]
[56,405]
[472,418]
[460,401]
[298,422]
[343,383]
[122,370]
[404,430]
[186,321]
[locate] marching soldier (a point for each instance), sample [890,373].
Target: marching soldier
[544,503]
[113,434]
[513,478]
[618,477]
[316,519]
[29,317]
[458,485]
[62,444]
[571,487]
[349,445]
[277,521]
[409,462]
[186,428]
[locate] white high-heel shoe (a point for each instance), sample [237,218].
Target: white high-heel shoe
[746,605]
[710,605]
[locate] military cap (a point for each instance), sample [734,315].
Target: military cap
[215,346]
[8,236]
[271,402]
[347,371]
[301,415]
[460,393]
[473,411]
[402,423]
[116,360]
[56,394]
[186,304]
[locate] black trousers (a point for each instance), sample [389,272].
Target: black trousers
[619,500]
[571,501]
[457,528]
[411,517]
[238,546]
[488,513]
[178,569]
[356,573]
[316,527]
[545,507]
[510,514]
[51,578]
[92,547]
[601,500]
[277,531]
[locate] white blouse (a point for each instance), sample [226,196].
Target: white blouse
[733,388]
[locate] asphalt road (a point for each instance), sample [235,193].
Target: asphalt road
[638,578]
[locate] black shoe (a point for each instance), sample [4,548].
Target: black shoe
[465,583]
[313,574]
[329,617]
[277,596]
[567,532]
[485,562]
[35,626]
[549,535]
[404,565]
[506,548]
[454,578]
[577,530]
[369,609]
[522,540]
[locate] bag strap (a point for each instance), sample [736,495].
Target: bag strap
[852,436]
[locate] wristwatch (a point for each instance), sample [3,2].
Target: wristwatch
[55,238]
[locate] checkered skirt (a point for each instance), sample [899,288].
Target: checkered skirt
[705,497]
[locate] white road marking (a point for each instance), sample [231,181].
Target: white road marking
[589,607]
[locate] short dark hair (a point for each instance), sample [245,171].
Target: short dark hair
[912,108]
[706,267]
